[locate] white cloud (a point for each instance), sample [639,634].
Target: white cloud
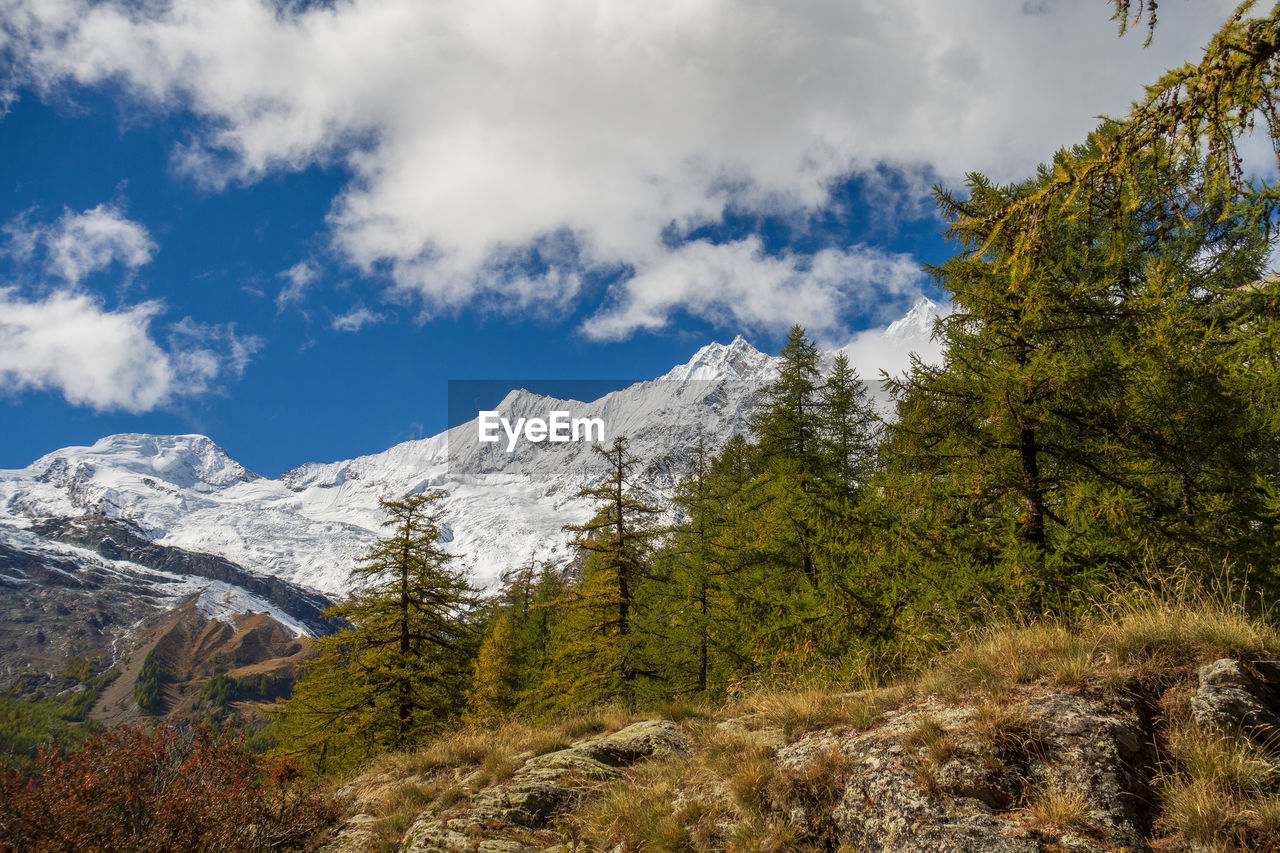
[737,284]
[77,245]
[80,244]
[475,129]
[66,341]
[890,348]
[108,360]
[300,277]
[356,319]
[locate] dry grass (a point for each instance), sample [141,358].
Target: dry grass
[1219,790]
[992,661]
[1060,808]
[550,740]
[813,789]
[1008,732]
[929,734]
[1152,632]
[640,814]
[813,708]
[716,799]
[1145,635]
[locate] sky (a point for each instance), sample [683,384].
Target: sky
[288,225]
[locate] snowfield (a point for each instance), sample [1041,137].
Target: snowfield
[309,525]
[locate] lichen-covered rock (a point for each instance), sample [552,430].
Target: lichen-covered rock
[513,816]
[1230,699]
[356,836]
[969,785]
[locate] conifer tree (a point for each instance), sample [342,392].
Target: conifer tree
[596,653]
[786,427]
[847,430]
[1032,462]
[399,669]
[493,689]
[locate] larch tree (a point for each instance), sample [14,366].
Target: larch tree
[596,655]
[400,667]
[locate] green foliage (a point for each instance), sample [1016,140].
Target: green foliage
[493,677]
[55,724]
[147,690]
[596,654]
[1098,413]
[400,669]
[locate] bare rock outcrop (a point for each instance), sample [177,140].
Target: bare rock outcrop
[937,778]
[1231,699]
[518,814]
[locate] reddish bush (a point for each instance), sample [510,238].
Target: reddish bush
[177,788]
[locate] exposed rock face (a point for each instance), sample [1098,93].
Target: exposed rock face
[1230,699]
[963,791]
[1038,771]
[119,540]
[512,816]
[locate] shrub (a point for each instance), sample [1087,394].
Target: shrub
[187,788]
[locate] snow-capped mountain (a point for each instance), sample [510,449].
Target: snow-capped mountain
[501,508]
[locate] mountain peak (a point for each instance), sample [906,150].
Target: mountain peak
[183,460]
[736,360]
[918,322]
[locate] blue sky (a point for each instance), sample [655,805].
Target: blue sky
[289,226]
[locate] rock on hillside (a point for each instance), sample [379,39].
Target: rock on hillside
[519,813]
[1091,767]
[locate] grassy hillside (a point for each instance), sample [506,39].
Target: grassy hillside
[767,768]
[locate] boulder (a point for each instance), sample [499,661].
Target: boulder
[515,816]
[900,796]
[1231,700]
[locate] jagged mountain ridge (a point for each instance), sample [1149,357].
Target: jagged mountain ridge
[310,524]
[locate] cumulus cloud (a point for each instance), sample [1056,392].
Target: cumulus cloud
[108,360]
[80,244]
[738,284]
[65,340]
[476,129]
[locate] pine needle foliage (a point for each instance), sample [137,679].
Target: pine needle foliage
[598,655]
[400,668]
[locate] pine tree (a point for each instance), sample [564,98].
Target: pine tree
[493,689]
[786,426]
[399,669]
[848,428]
[596,653]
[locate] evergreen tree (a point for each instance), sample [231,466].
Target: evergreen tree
[847,431]
[1036,461]
[399,669]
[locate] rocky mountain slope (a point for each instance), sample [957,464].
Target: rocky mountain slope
[94,589]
